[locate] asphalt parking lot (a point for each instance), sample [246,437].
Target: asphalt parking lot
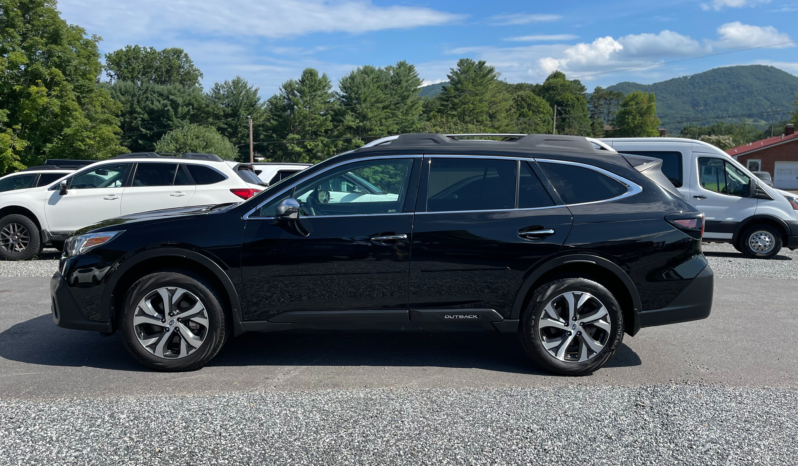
[719,391]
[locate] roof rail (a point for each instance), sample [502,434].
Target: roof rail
[491,135]
[138,155]
[69,162]
[52,167]
[154,155]
[520,141]
[379,142]
[198,156]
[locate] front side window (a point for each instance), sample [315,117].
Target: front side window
[155,174]
[578,185]
[459,184]
[16,182]
[722,177]
[111,175]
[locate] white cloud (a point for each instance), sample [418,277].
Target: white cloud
[737,35]
[665,44]
[718,5]
[523,18]
[429,82]
[542,38]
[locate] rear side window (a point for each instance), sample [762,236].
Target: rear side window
[154,174]
[48,178]
[471,184]
[16,182]
[248,176]
[577,185]
[204,175]
[671,164]
[531,192]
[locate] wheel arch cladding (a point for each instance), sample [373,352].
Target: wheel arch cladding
[598,269]
[11,210]
[157,260]
[777,223]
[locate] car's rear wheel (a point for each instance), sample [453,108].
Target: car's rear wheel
[19,237]
[761,242]
[572,326]
[173,321]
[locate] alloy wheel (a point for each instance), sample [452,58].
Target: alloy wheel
[170,322]
[574,326]
[14,238]
[761,242]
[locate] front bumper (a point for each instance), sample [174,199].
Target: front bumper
[66,313]
[792,242]
[694,303]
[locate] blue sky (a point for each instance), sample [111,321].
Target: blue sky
[270,41]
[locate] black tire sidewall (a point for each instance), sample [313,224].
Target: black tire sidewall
[217,331]
[35,244]
[534,310]
[746,249]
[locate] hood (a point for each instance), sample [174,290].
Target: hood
[156,215]
[785,193]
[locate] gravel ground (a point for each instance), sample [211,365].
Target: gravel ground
[679,424]
[726,262]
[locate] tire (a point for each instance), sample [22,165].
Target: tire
[737,246]
[161,343]
[20,238]
[761,242]
[540,335]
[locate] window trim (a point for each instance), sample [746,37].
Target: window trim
[698,172]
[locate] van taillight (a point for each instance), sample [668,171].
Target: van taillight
[245,193]
[691,223]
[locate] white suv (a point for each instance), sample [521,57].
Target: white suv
[127,184]
[740,209]
[272,172]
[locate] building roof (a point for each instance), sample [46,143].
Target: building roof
[763,144]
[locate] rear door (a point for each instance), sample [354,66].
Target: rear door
[481,225]
[156,186]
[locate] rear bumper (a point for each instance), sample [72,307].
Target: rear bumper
[694,303]
[65,310]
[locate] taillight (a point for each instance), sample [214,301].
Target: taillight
[691,223]
[245,193]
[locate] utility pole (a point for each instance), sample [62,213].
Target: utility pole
[772,116]
[554,122]
[698,121]
[251,149]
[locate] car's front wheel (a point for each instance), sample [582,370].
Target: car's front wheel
[572,326]
[761,242]
[173,321]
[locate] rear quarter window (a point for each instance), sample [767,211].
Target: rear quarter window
[577,185]
[204,175]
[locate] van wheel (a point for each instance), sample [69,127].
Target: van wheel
[761,242]
[19,238]
[572,326]
[173,321]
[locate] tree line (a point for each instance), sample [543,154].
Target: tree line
[55,104]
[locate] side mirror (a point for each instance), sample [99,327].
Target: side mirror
[752,185]
[63,185]
[288,209]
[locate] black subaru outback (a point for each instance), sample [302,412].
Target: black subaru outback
[559,239]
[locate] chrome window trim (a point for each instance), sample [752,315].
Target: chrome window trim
[490,210]
[632,189]
[337,216]
[249,216]
[493,157]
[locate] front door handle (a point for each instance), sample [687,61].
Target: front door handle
[534,234]
[178,194]
[388,238]
[700,197]
[112,197]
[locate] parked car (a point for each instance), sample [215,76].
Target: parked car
[765,177]
[126,184]
[567,244]
[272,172]
[754,217]
[41,175]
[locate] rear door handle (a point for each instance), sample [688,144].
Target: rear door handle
[700,197]
[387,238]
[178,194]
[535,233]
[112,197]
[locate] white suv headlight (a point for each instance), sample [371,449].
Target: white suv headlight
[82,243]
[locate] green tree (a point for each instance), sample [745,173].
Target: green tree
[231,102]
[533,113]
[637,116]
[365,104]
[150,110]
[195,138]
[300,126]
[406,105]
[569,97]
[145,65]
[466,97]
[795,115]
[50,104]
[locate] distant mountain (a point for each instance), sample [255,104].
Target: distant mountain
[748,91]
[432,90]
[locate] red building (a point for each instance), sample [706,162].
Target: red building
[777,155]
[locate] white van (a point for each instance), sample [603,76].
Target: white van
[740,209]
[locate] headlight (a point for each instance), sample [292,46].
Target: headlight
[793,202]
[79,244]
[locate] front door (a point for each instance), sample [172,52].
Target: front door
[94,195]
[722,194]
[482,225]
[346,256]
